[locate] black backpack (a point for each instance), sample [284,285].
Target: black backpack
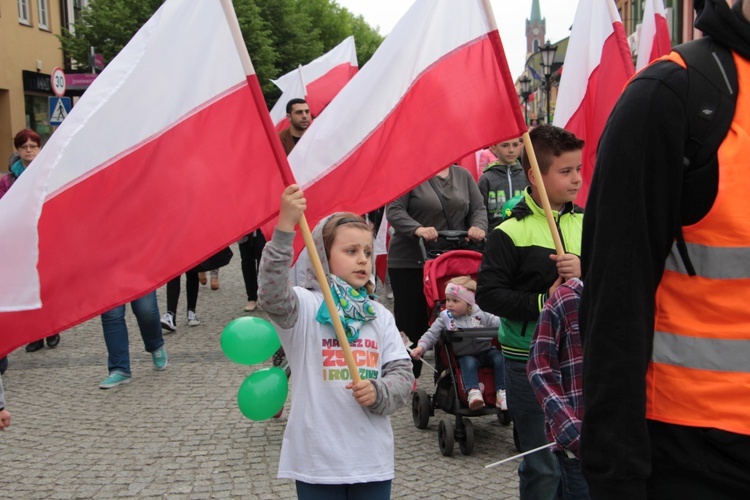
[712,99]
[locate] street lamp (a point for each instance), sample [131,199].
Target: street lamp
[525,82]
[548,57]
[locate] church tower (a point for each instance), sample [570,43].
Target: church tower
[535,29]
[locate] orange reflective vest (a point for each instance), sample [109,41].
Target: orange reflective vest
[699,373]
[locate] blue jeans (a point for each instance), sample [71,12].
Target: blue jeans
[146,311]
[470,366]
[379,490]
[539,473]
[573,485]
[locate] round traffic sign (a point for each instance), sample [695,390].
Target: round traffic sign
[58,82]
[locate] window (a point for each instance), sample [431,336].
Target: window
[24,15]
[43,14]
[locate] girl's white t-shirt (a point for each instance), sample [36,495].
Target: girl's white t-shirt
[329,438]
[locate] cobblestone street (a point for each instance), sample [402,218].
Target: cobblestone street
[180,434]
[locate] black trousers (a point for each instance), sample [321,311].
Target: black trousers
[191,287]
[690,462]
[409,306]
[250,253]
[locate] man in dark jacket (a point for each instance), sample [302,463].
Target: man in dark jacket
[664,315]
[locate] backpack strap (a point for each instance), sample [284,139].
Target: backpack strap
[712,98]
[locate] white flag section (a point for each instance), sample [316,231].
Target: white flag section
[168,139]
[597,66]
[437,89]
[654,40]
[317,82]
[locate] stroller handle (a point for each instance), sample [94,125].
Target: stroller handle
[454,237]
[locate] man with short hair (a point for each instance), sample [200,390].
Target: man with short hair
[298,114]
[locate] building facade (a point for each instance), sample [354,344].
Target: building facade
[29,52]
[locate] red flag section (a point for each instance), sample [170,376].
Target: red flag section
[597,67]
[654,40]
[317,82]
[437,89]
[135,170]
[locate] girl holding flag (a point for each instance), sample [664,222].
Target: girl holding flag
[339,441]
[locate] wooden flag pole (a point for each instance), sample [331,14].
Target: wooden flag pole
[289,179]
[543,194]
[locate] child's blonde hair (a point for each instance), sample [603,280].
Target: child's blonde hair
[465,281]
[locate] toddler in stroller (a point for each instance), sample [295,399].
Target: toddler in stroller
[461,312]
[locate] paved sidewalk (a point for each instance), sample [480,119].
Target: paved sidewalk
[179,433]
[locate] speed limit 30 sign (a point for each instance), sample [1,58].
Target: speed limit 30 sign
[58,82]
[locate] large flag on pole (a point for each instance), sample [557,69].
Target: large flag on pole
[166,144]
[654,40]
[437,89]
[317,82]
[598,64]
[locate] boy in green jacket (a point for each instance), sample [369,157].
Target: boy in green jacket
[519,271]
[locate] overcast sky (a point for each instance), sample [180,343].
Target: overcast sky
[510,15]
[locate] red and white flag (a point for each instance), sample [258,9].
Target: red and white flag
[431,94]
[317,82]
[165,160]
[654,40]
[598,64]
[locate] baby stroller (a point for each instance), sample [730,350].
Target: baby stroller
[450,394]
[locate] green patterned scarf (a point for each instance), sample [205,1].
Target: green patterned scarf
[354,308]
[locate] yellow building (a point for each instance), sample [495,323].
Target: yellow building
[29,52]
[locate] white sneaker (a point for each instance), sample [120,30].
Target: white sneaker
[500,400]
[475,399]
[167,322]
[193,319]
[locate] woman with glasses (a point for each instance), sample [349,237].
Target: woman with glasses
[27,143]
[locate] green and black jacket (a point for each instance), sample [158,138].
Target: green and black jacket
[517,272]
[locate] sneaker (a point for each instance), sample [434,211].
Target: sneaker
[53,341]
[501,401]
[114,380]
[167,322]
[202,278]
[214,282]
[251,306]
[193,319]
[159,357]
[475,399]
[35,346]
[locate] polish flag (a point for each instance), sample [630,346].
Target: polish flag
[403,117]
[654,40]
[317,82]
[598,64]
[173,139]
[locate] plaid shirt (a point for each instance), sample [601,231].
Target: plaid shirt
[555,366]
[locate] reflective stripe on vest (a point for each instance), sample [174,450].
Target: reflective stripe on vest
[699,374]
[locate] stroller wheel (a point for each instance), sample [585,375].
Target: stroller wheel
[445,437]
[467,443]
[420,409]
[503,417]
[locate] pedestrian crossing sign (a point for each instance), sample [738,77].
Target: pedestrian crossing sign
[59,107]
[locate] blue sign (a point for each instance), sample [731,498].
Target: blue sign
[59,107]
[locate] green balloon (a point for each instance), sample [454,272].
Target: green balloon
[249,340]
[263,393]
